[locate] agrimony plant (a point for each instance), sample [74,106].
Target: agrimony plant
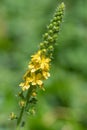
[38,67]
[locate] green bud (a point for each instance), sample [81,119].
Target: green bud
[51,48]
[59,22]
[60,13]
[62,6]
[55,29]
[55,36]
[31,111]
[58,17]
[50,32]
[50,26]
[45,42]
[44,51]
[55,18]
[50,39]
[54,23]
[45,35]
[41,45]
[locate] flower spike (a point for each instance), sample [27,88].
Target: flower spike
[39,65]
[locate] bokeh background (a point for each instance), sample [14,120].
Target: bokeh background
[63,106]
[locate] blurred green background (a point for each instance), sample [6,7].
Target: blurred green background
[63,106]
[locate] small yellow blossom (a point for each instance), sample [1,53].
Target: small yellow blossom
[36,57]
[44,63]
[39,61]
[36,79]
[45,74]
[34,66]
[24,86]
[13,116]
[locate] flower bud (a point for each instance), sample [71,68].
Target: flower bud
[22,103]
[34,94]
[13,116]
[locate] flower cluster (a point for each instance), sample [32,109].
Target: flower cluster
[38,71]
[40,62]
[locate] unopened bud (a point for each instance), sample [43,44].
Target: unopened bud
[45,35]
[32,111]
[22,103]
[34,94]
[50,26]
[13,116]
[50,39]
[50,32]
[51,48]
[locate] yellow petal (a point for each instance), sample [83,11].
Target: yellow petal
[39,82]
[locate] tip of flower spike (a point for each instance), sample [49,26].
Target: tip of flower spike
[62,5]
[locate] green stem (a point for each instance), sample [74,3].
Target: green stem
[20,117]
[23,108]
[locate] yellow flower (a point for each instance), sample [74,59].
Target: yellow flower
[44,63]
[39,62]
[24,85]
[45,74]
[35,79]
[13,116]
[36,57]
[34,67]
